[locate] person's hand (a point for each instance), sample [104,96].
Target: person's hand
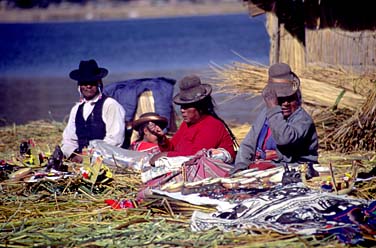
[76,158]
[270,97]
[155,129]
[156,157]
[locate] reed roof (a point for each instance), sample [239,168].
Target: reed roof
[317,14]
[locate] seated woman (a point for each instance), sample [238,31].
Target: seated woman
[203,138]
[201,126]
[147,141]
[284,132]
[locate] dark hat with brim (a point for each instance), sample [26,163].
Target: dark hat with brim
[283,80]
[88,71]
[150,117]
[191,90]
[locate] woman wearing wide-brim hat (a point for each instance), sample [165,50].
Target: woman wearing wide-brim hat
[283,133]
[201,126]
[147,141]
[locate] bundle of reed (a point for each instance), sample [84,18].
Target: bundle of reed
[358,132]
[320,87]
[327,120]
[359,83]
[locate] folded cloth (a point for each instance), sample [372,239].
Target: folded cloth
[116,156]
[163,166]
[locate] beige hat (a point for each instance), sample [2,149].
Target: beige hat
[150,116]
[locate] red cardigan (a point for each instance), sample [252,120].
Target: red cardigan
[209,132]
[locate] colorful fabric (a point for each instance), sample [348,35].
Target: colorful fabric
[295,209]
[207,133]
[143,146]
[200,167]
[265,142]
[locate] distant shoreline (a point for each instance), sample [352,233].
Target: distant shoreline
[123,11]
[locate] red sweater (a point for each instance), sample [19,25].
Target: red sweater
[208,133]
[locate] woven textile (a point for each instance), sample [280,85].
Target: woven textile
[295,209]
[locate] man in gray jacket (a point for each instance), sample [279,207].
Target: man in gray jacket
[283,132]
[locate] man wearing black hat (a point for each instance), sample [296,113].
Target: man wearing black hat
[283,132]
[95,116]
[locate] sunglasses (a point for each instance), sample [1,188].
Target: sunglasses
[291,98]
[187,106]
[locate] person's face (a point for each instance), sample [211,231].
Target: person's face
[289,104]
[89,90]
[149,137]
[190,114]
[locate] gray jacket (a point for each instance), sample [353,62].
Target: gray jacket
[296,137]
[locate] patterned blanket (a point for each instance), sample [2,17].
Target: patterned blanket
[296,209]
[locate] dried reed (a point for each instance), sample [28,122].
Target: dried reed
[357,133]
[318,88]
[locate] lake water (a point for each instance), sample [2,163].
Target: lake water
[36,58]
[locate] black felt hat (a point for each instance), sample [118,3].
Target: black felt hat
[88,71]
[191,90]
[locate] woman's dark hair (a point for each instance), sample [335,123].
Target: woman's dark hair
[206,106]
[140,132]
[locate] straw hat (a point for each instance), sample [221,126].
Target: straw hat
[191,90]
[283,80]
[150,116]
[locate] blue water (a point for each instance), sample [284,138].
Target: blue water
[45,49]
[130,48]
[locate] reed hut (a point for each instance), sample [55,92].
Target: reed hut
[328,32]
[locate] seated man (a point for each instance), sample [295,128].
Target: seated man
[96,116]
[283,132]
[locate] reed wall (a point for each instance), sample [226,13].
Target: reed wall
[355,50]
[352,50]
